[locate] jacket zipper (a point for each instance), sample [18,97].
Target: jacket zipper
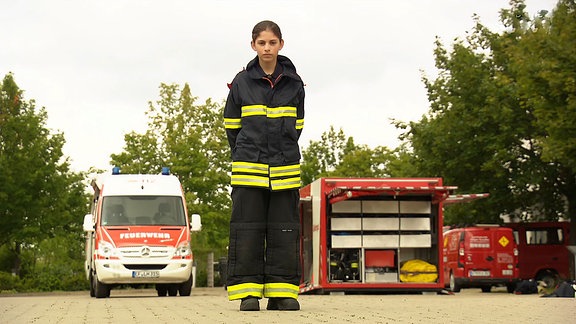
[270,81]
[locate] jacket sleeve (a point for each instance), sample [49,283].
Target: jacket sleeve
[232,115]
[300,113]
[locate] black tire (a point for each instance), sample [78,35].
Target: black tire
[486,289]
[100,290]
[186,287]
[454,286]
[92,293]
[173,290]
[510,287]
[162,290]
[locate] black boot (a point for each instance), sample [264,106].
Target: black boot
[289,304]
[250,303]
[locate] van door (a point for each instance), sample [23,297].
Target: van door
[452,259]
[480,257]
[490,252]
[503,246]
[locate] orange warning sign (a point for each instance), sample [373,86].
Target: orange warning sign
[503,241]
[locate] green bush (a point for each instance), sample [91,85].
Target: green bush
[76,282]
[9,282]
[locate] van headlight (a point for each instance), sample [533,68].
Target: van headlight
[106,249]
[183,250]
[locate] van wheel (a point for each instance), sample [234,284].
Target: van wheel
[100,290]
[162,290]
[172,290]
[92,293]
[453,285]
[486,289]
[186,287]
[510,287]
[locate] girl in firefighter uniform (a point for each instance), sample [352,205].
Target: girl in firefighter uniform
[264,117]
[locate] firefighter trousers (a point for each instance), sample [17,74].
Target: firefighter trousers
[264,248]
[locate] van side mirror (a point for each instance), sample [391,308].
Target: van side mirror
[88,223]
[195,223]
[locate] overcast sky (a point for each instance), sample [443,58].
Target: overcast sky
[95,65]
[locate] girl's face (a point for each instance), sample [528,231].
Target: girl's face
[267,45]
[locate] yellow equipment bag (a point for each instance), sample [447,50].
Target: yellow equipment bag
[418,271]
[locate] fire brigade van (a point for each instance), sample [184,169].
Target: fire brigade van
[480,256]
[138,232]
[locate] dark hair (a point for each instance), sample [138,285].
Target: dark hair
[266,25]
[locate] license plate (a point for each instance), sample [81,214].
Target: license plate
[145,274]
[507,272]
[477,273]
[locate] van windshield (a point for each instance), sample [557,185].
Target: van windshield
[143,210]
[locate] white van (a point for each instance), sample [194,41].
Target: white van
[138,232]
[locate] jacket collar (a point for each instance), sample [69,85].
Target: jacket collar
[284,66]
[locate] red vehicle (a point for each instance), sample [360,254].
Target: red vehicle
[480,256]
[373,234]
[543,250]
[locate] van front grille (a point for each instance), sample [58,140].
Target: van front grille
[146,251]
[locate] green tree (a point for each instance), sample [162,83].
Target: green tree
[320,158]
[336,155]
[190,139]
[40,197]
[546,68]
[142,154]
[544,63]
[483,132]
[362,161]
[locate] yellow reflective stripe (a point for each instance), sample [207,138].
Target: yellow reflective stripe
[249,180]
[280,290]
[282,171]
[276,112]
[254,110]
[232,123]
[244,290]
[253,164]
[281,112]
[248,167]
[289,183]
[299,123]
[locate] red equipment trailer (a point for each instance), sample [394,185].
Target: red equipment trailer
[373,234]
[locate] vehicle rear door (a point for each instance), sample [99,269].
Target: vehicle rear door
[479,253]
[503,246]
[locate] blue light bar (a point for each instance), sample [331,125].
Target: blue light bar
[116,170]
[165,171]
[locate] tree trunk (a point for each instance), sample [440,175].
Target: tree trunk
[17,260]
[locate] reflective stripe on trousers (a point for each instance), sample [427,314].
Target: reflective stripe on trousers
[268,290]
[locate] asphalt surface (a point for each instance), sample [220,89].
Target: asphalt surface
[210,305]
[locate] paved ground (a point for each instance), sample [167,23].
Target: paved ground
[210,305]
